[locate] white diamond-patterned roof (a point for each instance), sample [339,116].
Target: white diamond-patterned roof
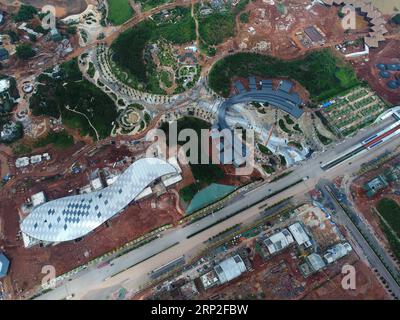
[72,217]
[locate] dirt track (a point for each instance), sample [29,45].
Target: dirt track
[64,7]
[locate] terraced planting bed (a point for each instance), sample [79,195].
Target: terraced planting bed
[354,110]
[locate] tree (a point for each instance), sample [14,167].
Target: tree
[32,37]
[13,36]
[396,19]
[71,30]
[245,17]
[25,51]
[25,13]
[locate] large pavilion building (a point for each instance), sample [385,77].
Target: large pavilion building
[73,217]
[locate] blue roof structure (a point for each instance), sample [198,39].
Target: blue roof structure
[266,83]
[252,83]
[239,87]
[392,67]
[385,74]
[393,85]
[4,264]
[280,98]
[287,102]
[286,86]
[381,66]
[327,104]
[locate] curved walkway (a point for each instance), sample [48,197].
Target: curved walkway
[288,102]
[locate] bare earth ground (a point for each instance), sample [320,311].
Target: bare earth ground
[387,6]
[265,19]
[138,219]
[280,278]
[367,287]
[388,52]
[365,204]
[64,7]
[135,221]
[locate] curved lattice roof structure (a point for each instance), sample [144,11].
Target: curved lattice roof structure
[72,217]
[376,20]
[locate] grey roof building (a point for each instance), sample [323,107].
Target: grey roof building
[313,34]
[376,184]
[315,261]
[230,269]
[337,251]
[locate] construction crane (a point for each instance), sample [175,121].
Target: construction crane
[269,135]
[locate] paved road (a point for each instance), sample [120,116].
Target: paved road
[366,249]
[95,283]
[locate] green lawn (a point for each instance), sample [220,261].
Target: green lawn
[268,169]
[217,27]
[165,78]
[282,125]
[264,149]
[91,71]
[60,140]
[150,4]
[204,174]
[390,211]
[295,144]
[288,119]
[119,11]
[245,17]
[187,193]
[325,141]
[21,149]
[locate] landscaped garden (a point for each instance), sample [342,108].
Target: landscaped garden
[136,51]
